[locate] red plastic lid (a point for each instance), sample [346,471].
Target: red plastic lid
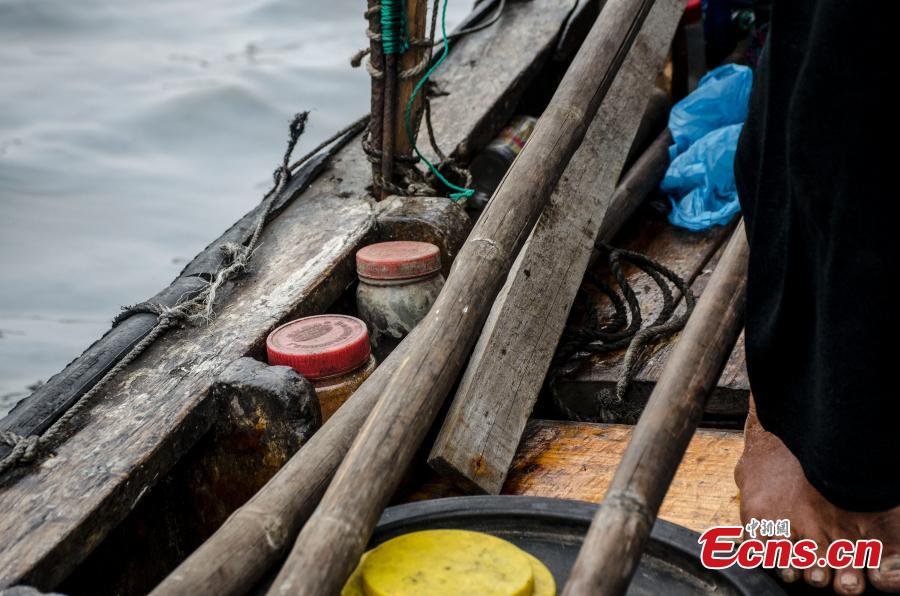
[401,259]
[320,346]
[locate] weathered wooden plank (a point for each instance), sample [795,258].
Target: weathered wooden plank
[507,368]
[685,253]
[486,72]
[576,460]
[56,513]
[639,182]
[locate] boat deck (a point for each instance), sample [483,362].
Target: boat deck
[576,460]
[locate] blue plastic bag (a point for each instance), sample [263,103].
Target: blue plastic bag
[720,99]
[703,178]
[705,127]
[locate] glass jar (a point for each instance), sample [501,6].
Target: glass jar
[398,283]
[331,351]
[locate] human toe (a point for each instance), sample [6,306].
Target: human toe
[887,577]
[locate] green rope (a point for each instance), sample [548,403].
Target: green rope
[461,192]
[394,32]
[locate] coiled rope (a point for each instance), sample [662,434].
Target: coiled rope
[199,309]
[624,331]
[394,30]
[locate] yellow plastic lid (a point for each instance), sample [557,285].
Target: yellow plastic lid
[449,562]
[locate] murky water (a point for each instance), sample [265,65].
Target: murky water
[132,134]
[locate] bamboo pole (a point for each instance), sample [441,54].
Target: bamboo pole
[336,534]
[619,532]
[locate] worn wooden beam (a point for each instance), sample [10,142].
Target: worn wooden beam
[375,128]
[617,536]
[335,536]
[507,368]
[576,460]
[416,18]
[637,184]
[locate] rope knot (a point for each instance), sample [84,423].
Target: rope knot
[179,312]
[236,254]
[153,308]
[24,449]
[30,446]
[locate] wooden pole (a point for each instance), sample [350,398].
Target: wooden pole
[398,87]
[376,118]
[416,20]
[619,532]
[335,536]
[389,123]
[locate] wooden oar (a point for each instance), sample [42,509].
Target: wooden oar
[618,534]
[332,541]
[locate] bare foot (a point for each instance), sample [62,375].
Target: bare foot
[773,486]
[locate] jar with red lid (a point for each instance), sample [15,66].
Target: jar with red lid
[332,351]
[398,283]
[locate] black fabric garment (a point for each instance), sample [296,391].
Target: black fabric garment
[818,176]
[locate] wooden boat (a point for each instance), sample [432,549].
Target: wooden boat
[163,456]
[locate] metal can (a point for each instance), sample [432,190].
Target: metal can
[489,166]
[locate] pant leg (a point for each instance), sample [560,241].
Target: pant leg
[818,172]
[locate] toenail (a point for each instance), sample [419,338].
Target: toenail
[789,575]
[891,563]
[849,581]
[817,575]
